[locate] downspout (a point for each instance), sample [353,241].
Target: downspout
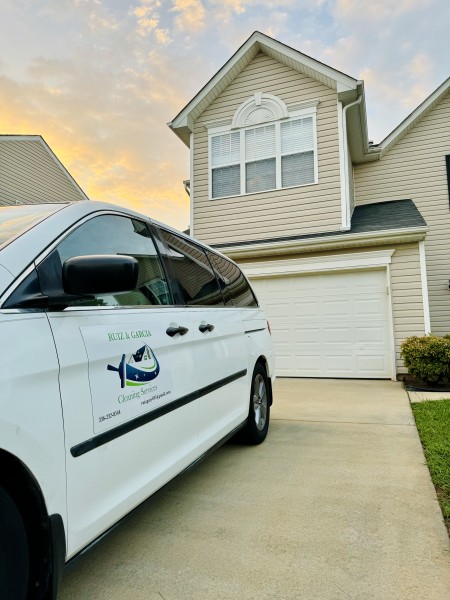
[346,225]
[191,184]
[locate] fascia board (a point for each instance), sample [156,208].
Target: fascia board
[182,119]
[404,235]
[259,41]
[343,82]
[4,137]
[414,116]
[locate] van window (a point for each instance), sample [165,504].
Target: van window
[112,234]
[192,272]
[237,286]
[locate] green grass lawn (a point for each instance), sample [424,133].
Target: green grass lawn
[433,424]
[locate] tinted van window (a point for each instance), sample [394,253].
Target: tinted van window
[111,234]
[192,272]
[237,286]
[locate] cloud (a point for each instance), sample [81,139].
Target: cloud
[99,79]
[190,15]
[380,10]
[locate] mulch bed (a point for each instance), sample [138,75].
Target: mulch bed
[415,385]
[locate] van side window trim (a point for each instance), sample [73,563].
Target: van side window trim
[112,434]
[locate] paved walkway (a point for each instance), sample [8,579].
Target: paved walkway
[425,396]
[336,504]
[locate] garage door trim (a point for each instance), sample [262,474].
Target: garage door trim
[297,266]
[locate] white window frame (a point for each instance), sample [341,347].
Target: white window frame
[310,111]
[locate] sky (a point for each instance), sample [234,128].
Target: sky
[100,79]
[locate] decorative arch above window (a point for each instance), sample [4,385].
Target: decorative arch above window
[267,146]
[260,108]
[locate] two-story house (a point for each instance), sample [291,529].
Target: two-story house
[30,173]
[346,244]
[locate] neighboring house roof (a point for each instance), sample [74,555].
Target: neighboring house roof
[411,120]
[348,88]
[31,173]
[377,220]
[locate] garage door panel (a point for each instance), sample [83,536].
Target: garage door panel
[335,308]
[369,306]
[329,325]
[371,335]
[306,308]
[339,335]
[372,364]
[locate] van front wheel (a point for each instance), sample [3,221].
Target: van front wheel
[13,550]
[257,426]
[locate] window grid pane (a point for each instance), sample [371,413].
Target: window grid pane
[297,136]
[260,175]
[297,169]
[226,181]
[260,143]
[225,149]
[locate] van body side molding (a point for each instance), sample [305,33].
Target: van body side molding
[112,434]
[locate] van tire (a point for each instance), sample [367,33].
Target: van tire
[13,550]
[257,426]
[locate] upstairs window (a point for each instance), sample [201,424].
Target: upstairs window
[270,155]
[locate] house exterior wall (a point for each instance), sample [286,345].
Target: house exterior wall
[405,287]
[309,209]
[415,168]
[30,175]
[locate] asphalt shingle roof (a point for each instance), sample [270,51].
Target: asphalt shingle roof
[380,216]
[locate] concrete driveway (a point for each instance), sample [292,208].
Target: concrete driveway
[336,504]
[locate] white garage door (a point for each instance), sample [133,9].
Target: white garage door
[329,325]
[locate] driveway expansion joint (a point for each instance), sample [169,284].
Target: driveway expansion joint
[343,422]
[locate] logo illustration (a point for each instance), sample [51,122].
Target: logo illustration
[140,368]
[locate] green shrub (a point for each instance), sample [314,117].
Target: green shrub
[427,358]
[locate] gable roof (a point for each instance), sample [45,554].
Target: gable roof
[411,120]
[31,173]
[347,87]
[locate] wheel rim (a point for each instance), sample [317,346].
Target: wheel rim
[260,402]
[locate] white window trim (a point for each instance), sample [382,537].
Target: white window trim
[307,111]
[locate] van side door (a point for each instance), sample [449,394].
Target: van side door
[126,380]
[218,341]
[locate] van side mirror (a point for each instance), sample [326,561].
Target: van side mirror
[99,274]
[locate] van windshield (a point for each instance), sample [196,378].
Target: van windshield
[15,220]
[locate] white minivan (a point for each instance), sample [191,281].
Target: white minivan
[128,352]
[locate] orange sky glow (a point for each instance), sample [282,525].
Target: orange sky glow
[99,80]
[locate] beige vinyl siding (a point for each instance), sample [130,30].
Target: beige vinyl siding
[30,175]
[406,288]
[292,211]
[415,168]
[407,300]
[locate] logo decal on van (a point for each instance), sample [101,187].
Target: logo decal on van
[140,368]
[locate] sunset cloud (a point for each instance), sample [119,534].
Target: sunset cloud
[100,79]
[190,15]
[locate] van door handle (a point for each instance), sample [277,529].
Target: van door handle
[205,327]
[177,329]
